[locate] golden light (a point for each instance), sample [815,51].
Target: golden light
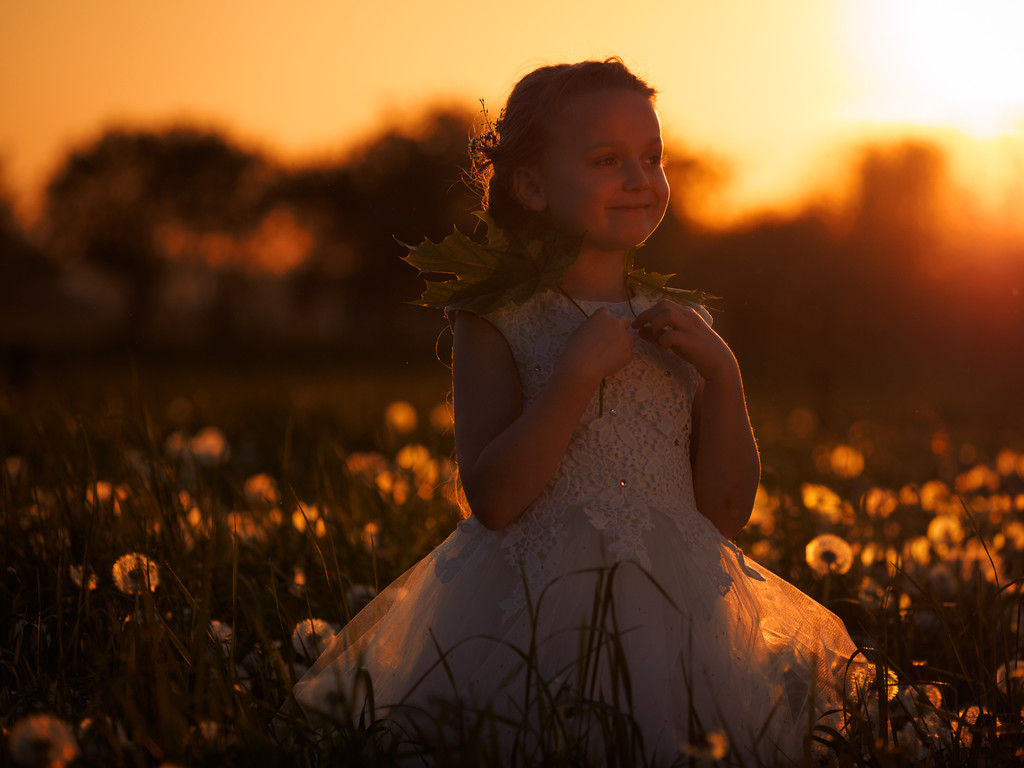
[942,62]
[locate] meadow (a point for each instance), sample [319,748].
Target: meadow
[178,544]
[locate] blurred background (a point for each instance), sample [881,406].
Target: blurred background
[197,186]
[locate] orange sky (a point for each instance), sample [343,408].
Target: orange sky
[773,87]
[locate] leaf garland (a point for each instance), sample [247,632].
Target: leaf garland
[485,277]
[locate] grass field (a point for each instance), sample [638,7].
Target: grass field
[176,542]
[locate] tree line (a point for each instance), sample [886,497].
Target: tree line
[185,242]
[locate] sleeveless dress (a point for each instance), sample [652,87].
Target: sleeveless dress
[611,599]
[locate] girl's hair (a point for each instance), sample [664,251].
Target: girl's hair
[518,138]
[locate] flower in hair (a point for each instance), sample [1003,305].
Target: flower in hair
[483,144]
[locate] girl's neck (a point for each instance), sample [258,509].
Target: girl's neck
[596,277]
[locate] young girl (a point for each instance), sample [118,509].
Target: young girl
[592,601]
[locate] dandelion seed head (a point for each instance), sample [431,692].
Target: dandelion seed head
[1010,677]
[135,573]
[367,465]
[971,714]
[311,637]
[43,740]
[1006,462]
[1013,531]
[932,494]
[194,517]
[714,746]
[84,577]
[220,632]
[418,460]
[829,553]
[978,478]
[822,500]
[210,447]
[261,490]
[846,461]
[918,550]
[105,494]
[862,680]
[879,502]
[944,532]
[908,496]
[246,528]
[401,417]
[932,694]
[979,559]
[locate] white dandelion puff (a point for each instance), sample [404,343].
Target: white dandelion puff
[311,636]
[846,461]
[43,740]
[829,553]
[210,447]
[262,490]
[134,574]
[246,528]
[220,632]
[401,417]
[822,500]
[714,746]
[84,577]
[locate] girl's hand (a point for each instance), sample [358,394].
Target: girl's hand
[682,330]
[602,345]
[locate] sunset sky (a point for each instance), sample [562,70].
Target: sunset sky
[777,89]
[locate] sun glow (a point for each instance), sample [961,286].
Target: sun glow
[942,63]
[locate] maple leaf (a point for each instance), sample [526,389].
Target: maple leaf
[659,282]
[485,277]
[481,278]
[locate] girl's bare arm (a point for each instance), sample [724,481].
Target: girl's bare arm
[507,454]
[726,465]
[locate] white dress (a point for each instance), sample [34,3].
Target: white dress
[610,594]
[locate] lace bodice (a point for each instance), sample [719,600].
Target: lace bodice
[628,456]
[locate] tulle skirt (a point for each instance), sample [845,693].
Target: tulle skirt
[702,653]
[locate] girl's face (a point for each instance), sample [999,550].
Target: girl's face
[602,175]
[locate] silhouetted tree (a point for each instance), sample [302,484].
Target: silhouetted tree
[107,202]
[27,282]
[405,183]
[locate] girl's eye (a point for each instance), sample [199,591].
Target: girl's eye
[656,160]
[608,160]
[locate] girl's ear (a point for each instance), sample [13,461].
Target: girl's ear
[529,191]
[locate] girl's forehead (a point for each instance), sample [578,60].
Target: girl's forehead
[612,112]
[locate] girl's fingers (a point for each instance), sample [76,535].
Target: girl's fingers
[665,315]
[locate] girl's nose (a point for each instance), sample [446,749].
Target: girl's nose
[636,177]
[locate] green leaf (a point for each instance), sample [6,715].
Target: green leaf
[485,277]
[481,278]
